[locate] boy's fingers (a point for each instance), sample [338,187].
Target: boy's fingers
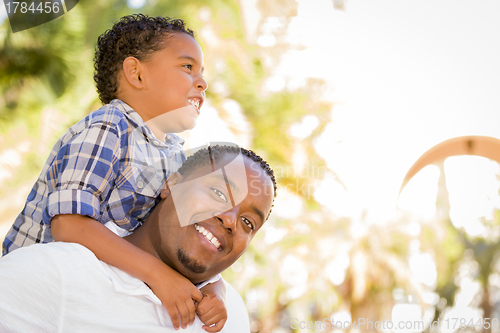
[196,294]
[212,317]
[183,314]
[209,317]
[174,315]
[191,311]
[203,308]
[216,328]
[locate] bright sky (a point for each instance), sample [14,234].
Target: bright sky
[406,76]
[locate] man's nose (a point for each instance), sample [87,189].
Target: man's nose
[228,219]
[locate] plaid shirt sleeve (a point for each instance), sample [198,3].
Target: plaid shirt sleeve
[83,171]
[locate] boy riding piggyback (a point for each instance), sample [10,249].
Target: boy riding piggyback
[111,166]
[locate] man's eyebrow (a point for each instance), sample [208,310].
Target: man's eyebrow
[192,59]
[258,212]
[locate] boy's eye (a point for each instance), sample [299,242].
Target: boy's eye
[220,194]
[190,67]
[248,223]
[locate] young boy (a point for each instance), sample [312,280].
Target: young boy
[111,165]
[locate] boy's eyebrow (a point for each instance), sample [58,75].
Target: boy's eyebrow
[193,60]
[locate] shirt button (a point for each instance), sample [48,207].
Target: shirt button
[156,142]
[140,185]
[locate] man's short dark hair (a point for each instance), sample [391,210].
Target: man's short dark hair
[135,35]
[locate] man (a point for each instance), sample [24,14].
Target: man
[209,213]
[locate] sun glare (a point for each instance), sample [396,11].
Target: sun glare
[473,188]
[419,195]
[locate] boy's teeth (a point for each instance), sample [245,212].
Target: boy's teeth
[208,235]
[194,102]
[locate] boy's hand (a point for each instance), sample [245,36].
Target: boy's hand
[178,295]
[212,310]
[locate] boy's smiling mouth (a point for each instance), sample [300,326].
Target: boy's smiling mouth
[196,102]
[208,236]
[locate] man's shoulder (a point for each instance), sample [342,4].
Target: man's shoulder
[51,254]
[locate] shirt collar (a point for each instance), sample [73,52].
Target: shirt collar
[170,139]
[174,139]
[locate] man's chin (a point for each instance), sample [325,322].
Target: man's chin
[189,263]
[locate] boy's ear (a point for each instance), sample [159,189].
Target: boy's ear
[175,178]
[132,72]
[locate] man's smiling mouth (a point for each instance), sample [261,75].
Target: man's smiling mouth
[208,235]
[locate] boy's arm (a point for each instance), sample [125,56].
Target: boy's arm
[174,290]
[212,308]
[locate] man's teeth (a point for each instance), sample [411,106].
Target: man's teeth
[195,102]
[208,235]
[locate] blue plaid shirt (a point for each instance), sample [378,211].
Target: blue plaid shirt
[109,166]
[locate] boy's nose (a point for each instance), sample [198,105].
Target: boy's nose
[201,84]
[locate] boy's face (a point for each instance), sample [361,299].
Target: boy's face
[190,249]
[174,88]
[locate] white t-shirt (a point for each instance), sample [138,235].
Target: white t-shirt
[63,287]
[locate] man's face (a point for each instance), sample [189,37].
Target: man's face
[222,213]
[210,191]
[174,86]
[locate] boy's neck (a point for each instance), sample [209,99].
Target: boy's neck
[159,134]
[152,124]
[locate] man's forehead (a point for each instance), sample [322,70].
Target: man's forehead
[210,164]
[234,169]
[229,169]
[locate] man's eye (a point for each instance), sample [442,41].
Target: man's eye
[219,194]
[248,223]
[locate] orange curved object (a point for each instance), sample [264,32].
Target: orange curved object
[485,146]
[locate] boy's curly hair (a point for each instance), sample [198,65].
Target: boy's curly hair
[135,35]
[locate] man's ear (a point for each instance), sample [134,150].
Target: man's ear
[132,72]
[174,179]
